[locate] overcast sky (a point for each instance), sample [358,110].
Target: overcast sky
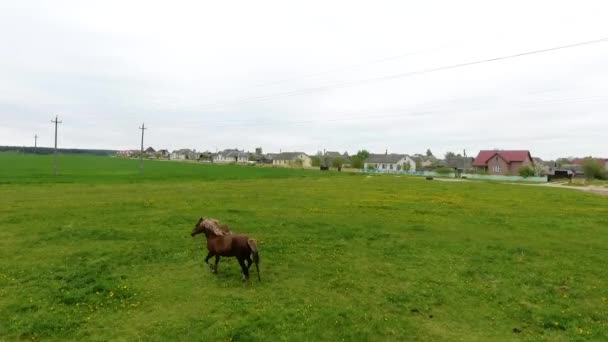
[222,74]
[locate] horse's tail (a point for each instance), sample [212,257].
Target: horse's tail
[254,253]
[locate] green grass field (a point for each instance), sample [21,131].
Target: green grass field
[100,253]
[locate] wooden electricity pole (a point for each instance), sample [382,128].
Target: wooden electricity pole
[141,154]
[35,142]
[56,122]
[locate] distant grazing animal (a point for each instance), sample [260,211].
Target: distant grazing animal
[222,242]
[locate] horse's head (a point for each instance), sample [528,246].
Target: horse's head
[198,227]
[210,226]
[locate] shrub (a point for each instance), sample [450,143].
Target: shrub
[356,162]
[526,171]
[337,162]
[316,160]
[593,169]
[444,170]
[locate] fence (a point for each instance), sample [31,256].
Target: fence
[463,175]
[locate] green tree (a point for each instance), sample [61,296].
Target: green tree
[356,162]
[363,155]
[593,169]
[450,155]
[562,161]
[429,153]
[539,169]
[406,167]
[526,171]
[337,163]
[316,160]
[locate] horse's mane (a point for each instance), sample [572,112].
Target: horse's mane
[214,226]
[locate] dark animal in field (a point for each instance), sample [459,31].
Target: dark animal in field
[222,242]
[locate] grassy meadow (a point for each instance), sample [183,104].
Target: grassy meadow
[101,253]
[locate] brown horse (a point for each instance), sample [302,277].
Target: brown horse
[222,242]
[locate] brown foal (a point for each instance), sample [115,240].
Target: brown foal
[222,242]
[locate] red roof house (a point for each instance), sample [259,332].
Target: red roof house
[503,162]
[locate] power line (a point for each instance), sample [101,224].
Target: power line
[414,110]
[326,72]
[396,76]
[355,66]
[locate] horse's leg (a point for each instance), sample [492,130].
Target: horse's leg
[209,255]
[217,260]
[249,262]
[244,268]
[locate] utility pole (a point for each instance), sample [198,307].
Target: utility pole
[56,122]
[35,142]
[464,160]
[141,154]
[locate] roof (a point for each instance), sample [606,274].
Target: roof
[508,155]
[288,155]
[150,149]
[458,162]
[574,167]
[334,154]
[183,151]
[385,158]
[233,153]
[581,161]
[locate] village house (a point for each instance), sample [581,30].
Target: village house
[269,158]
[231,156]
[389,162]
[261,158]
[602,161]
[163,154]
[459,163]
[327,159]
[127,153]
[503,162]
[424,161]
[292,159]
[183,154]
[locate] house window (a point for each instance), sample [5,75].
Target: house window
[390,166]
[496,169]
[383,166]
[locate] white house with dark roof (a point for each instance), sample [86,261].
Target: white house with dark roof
[231,156]
[292,159]
[183,154]
[389,162]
